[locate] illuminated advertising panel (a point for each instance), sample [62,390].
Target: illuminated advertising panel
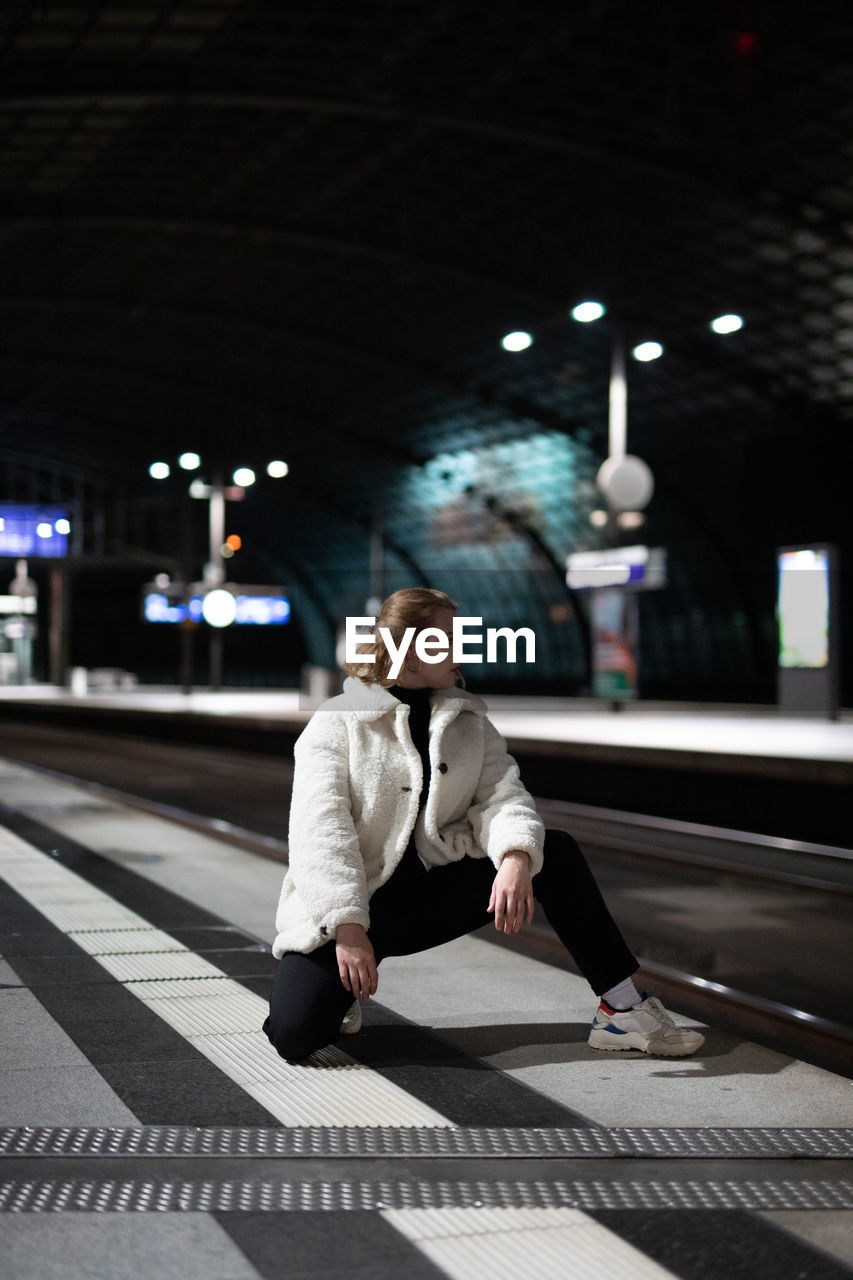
[808,675]
[614,645]
[30,531]
[803,608]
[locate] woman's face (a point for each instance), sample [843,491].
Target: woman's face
[432,675]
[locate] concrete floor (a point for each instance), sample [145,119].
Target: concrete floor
[756,936]
[488,1007]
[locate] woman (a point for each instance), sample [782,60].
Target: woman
[409,826]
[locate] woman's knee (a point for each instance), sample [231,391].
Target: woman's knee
[294,1040]
[305,1005]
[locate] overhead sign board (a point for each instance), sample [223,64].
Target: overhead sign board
[631,568]
[253,606]
[263,611]
[28,531]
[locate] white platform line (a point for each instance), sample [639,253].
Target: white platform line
[502,1244]
[145,967]
[209,1009]
[202,1014]
[111,942]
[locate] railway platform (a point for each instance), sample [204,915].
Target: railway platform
[762,739]
[738,766]
[467,1130]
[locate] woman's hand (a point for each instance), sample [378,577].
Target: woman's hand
[356,960]
[512,892]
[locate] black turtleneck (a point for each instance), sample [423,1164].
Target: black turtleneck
[418,702]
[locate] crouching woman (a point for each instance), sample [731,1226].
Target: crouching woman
[409,826]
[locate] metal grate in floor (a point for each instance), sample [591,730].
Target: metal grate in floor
[425,1142]
[131,1195]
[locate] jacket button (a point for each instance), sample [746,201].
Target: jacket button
[406,788]
[324,930]
[442,768]
[442,839]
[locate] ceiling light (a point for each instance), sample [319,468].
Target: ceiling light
[277,469]
[158,470]
[727,324]
[647,351]
[587,311]
[244,476]
[189,461]
[516,341]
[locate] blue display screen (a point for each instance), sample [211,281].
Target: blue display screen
[258,611]
[262,611]
[33,531]
[156,607]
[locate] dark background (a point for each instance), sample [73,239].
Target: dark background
[268,229]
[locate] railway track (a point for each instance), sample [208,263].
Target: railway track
[618,844]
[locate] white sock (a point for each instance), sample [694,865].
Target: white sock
[623,996]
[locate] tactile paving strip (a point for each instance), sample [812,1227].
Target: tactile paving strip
[205,1014]
[409,1142]
[345,1091]
[111,942]
[148,967]
[55,1195]
[479,1244]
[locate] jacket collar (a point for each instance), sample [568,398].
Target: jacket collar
[370,701]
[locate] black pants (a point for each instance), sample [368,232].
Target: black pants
[416,909]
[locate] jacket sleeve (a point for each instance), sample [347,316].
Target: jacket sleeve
[503,815]
[325,857]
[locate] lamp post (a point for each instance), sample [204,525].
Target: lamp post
[627,484]
[213,575]
[625,480]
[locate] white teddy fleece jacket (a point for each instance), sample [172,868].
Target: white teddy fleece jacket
[356,785]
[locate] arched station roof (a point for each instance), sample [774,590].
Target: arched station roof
[256,228]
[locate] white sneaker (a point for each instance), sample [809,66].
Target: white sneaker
[352,1022]
[647,1027]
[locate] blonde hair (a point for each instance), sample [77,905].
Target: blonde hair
[411,607]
